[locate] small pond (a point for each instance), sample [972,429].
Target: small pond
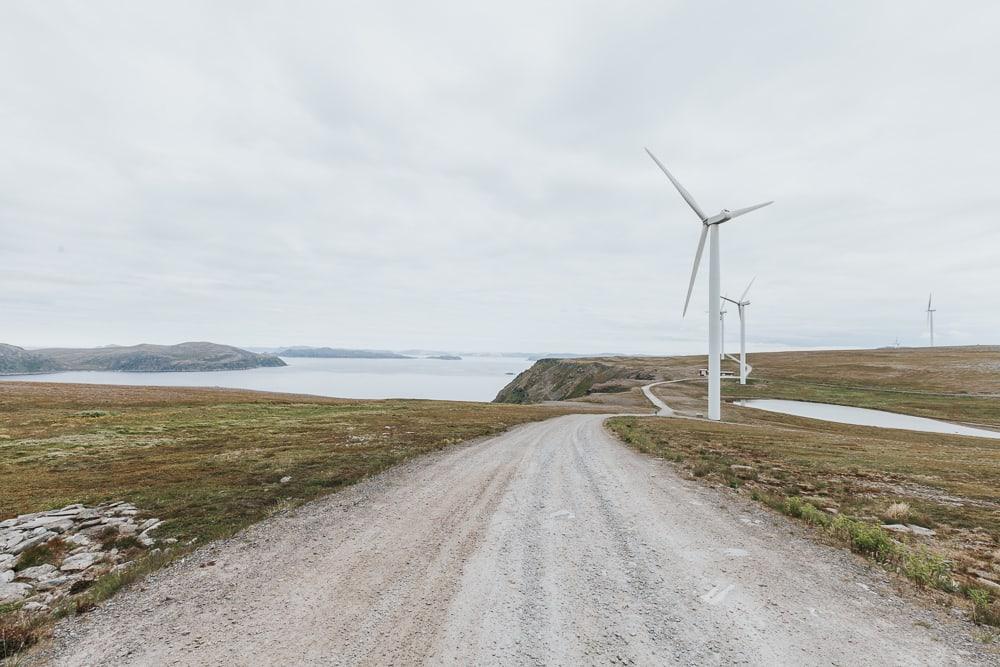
[864,417]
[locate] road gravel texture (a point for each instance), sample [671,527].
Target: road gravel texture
[551,544]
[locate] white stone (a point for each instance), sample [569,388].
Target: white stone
[920,530]
[8,523]
[13,592]
[7,576]
[896,527]
[286,479]
[37,572]
[80,562]
[7,561]
[32,606]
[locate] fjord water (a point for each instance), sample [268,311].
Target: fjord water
[864,417]
[471,379]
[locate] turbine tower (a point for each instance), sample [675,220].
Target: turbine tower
[709,228]
[930,317]
[741,307]
[722,328]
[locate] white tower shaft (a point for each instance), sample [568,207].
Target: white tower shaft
[714,328]
[743,345]
[722,335]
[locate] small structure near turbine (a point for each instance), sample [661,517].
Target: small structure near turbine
[710,228]
[741,306]
[930,317]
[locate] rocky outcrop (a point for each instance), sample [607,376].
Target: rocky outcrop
[45,556]
[566,379]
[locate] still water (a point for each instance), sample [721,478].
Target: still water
[471,379]
[864,417]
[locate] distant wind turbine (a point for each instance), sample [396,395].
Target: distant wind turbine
[930,317]
[722,330]
[741,306]
[710,227]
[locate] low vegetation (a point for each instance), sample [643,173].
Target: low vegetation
[207,462]
[923,505]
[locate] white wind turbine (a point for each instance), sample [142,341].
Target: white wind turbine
[930,317]
[710,227]
[722,332]
[741,306]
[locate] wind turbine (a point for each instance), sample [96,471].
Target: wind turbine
[710,227]
[741,306]
[930,317]
[722,328]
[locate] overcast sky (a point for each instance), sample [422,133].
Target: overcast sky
[454,176]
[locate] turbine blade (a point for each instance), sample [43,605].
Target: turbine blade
[744,297]
[743,211]
[680,188]
[931,296]
[694,269]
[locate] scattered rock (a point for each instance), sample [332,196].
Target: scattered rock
[82,529]
[34,607]
[920,530]
[286,479]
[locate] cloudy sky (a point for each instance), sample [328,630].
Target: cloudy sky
[459,176]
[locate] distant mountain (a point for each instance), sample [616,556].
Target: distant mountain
[340,353]
[445,357]
[150,358]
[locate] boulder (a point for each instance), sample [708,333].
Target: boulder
[37,572]
[7,561]
[80,562]
[920,530]
[13,591]
[79,539]
[989,583]
[31,541]
[7,576]
[896,527]
[52,582]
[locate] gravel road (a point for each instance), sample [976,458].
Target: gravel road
[550,544]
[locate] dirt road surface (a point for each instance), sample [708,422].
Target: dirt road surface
[550,544]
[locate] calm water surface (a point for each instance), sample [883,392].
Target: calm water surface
[471,379]
[864,417]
